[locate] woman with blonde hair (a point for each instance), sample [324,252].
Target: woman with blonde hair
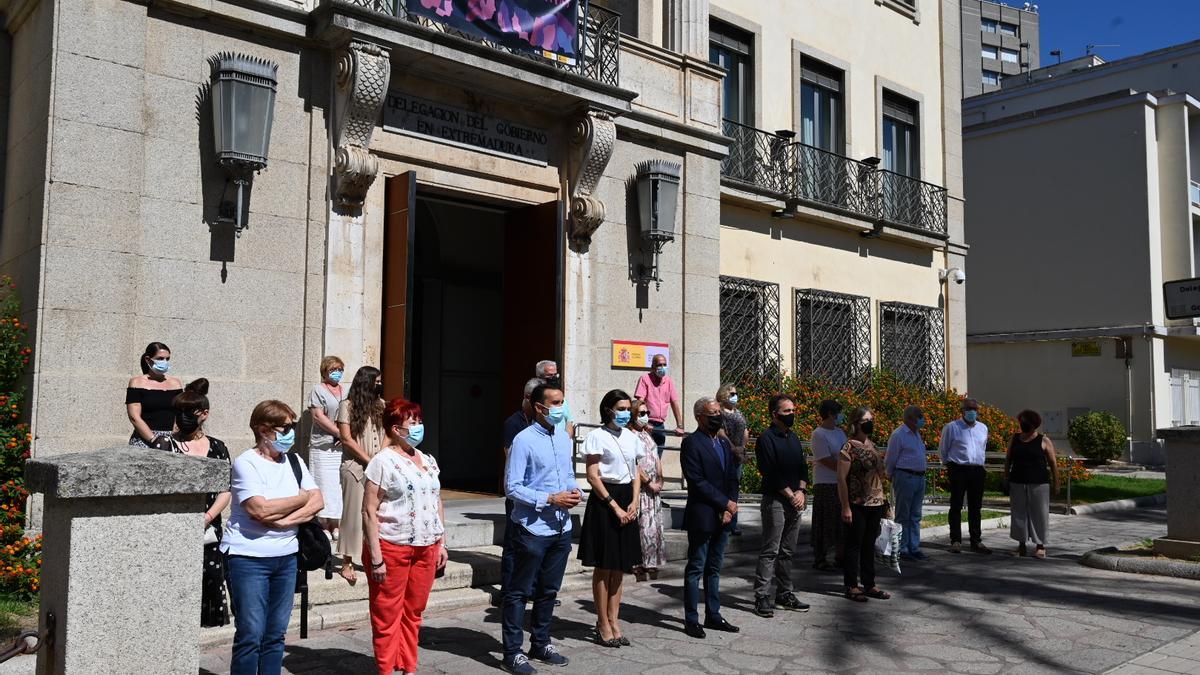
[260,545]
[650,520]
[324,445]
[405,536]
[360,427]
[861,470]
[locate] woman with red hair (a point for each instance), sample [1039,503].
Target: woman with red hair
[404,547]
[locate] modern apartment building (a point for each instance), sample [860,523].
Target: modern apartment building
[1081,201]
[840,203]
[998,42]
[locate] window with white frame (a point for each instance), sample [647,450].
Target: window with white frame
[988,25]
[991,77]
[990,52]
[1010,56]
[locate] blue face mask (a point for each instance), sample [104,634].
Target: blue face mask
[416,434]
[920,422]
[160,365]
[622,417]
[969,416]
[284,442]
[335,376]
[841,419]
[661,371]
[556,414]
[733,399]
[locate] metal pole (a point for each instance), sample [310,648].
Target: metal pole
[1070,469]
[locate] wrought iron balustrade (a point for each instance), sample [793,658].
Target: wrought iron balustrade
[598,41]
[771,162]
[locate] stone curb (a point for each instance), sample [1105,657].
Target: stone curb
[1120,505]
[944,530]
[1104,559]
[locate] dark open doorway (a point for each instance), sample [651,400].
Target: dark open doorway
[480,290]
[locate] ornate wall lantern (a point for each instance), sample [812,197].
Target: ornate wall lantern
[658,200]
[243,106]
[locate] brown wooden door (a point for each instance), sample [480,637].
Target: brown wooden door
[532,295]
[398,236]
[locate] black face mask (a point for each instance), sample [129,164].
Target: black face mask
[787,420]
[379,390]
[555,381]
[1027,427]
[867,427]
[715,423]
[187,423]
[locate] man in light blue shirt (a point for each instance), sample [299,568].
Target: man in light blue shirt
[963,450]
[906,467]
[540,479]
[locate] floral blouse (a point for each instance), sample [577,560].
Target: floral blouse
[864,483]
[408,513]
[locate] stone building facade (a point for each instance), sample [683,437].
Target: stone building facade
[454,263]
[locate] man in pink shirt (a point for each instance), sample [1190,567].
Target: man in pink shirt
[660,395]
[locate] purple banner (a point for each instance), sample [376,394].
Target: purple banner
[544,27]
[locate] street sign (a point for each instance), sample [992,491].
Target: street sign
[1182,298]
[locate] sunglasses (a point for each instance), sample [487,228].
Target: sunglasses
[286,428]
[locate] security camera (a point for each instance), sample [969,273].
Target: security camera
[954,273]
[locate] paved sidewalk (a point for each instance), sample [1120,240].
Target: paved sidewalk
[1181,656]
[959,613]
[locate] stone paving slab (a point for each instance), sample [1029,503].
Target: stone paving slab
[961,613]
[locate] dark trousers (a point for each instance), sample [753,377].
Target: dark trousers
[706,554]
[658,436]
[537,574]
[966,479]
[780,525]
[507,556]
[858,566]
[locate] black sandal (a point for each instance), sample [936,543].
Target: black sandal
[856,595]
[611,642]
[878,594]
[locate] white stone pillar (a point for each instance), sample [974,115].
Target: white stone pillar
[122,558]
[685,27]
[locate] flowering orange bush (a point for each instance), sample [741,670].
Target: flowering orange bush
[20,556]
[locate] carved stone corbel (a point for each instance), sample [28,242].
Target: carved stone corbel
[362,80]
[592,143]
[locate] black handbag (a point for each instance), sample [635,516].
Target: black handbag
[315,550]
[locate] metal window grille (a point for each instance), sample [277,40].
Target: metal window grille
[833,337]
[749,329]
[912,343]
[599,38]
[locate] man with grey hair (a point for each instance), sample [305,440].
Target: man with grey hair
[712,484]
[906,468]
[547,371]
[963,450]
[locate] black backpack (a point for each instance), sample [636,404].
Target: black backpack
[314,545]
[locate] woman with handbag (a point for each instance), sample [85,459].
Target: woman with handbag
[1031,473]
[260,542]
[191,411]
[405,546]
[861,470]
[360,427]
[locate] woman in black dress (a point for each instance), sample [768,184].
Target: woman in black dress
[190,411]
[149,396]
[1031,469]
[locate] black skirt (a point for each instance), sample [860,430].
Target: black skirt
[603,542]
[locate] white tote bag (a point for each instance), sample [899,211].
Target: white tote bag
[887,544]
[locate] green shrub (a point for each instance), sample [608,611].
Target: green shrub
[1098,435]
[20,557]
[751,477]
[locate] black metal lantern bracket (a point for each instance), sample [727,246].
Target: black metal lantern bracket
[658,201]
[243,105]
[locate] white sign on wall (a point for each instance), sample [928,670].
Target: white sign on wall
[1182,298]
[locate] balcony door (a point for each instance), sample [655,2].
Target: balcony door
[821,171]
[900,187]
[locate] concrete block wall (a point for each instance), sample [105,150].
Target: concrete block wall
[128,253]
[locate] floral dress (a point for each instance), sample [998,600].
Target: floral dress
[650,520]
[864,482]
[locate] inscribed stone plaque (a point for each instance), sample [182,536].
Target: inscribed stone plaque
[409,114]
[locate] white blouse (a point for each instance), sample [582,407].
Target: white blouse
[408,513]
[618,455]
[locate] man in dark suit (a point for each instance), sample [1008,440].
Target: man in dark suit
[712,480]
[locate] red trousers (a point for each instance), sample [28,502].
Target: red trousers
[398,601]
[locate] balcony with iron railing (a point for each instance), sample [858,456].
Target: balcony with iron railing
[775,164]
[598,40]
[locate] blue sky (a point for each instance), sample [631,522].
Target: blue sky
[1136,25]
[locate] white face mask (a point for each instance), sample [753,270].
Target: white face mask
[643,420]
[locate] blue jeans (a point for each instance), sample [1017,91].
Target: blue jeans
[538,574]
[706,554]
[658,435]
[507,556]
[910,495]
[261,590]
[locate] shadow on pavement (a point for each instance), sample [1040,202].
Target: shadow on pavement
[298,659]
[463,642]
